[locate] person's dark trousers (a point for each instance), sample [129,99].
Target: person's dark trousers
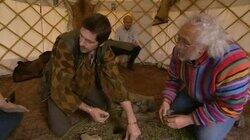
[132,53]
[60,123]
[183,104]
[8,122]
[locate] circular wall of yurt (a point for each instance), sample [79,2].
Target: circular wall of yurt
[29,28]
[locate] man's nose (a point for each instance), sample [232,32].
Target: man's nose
[82,41]
[178,45]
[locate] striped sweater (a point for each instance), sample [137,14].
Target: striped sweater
[220,84]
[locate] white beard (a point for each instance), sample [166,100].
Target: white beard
[183,56]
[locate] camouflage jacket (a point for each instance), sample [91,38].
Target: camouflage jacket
[70,75]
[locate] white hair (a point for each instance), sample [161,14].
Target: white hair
[211,35]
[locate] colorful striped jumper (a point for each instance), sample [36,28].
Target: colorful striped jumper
[220,84]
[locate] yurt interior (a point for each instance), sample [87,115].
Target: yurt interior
[28,33]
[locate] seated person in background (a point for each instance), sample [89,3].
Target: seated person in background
[10,116]
[127,41]
[82,75]
[209,78]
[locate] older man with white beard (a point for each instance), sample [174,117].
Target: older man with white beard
[209,78]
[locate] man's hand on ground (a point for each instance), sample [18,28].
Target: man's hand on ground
[133,132]
[163,110]
[179,121]
[98,115]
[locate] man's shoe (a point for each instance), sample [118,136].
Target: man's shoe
[158,21]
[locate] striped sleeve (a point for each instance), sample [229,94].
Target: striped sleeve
[173,83]
[231,91]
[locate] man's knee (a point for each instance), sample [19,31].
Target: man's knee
[8,122]
[17,118]
[59,123]
[13,119]
[59,129]
[182,104]
[136,50]
[215,132]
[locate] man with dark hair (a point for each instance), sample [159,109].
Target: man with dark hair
[82,75]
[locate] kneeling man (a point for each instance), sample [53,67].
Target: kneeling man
[209,78]
[82,75]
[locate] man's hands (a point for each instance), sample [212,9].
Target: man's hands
[98,115]
[174,121]
[133,131]
[163,110]
[179,121]
[10,107]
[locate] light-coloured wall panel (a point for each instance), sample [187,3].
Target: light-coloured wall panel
[27,30]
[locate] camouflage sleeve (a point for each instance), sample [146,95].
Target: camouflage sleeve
[112,81]
[62,74]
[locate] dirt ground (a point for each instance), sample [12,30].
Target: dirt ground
[144,80]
